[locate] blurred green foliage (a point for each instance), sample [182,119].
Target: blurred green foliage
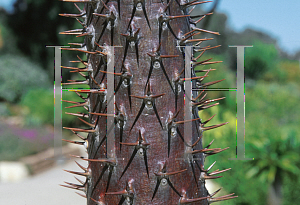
[8,40]
[272,121]
[291,190]
[39,108]
[18,76]
[12,148]
[285,71]
[39,103]
[272,139]
[19,142]
[4,110]
[260,59]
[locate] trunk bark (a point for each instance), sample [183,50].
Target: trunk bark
[157,137]
[154,165]
[275,191]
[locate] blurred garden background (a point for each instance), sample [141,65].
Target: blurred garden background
[272,92]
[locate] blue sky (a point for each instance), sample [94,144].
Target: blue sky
[278,18]
[7,4]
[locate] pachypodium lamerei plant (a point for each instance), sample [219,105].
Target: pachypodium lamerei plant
[139,151]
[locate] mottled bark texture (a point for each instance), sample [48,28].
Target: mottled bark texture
[111,179]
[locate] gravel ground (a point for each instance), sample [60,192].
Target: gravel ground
[44,188]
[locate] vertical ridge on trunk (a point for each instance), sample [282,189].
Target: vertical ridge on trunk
[151,162]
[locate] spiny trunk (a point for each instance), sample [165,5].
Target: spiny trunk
[159,168]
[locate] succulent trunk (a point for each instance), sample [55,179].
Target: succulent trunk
[151,160]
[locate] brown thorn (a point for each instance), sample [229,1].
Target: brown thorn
[85,174]
[200,19]
[94,80]
[79,180]
[211,83]
[195,143]
[129,144]
[157,96]
[139,97]
[203,17]
[99,160]
[116,193]
[76,156]
[74,142]
[199,95]
[84,98]
[169,56]
[82,167]
[205,70]
[80,114]
[208,119]
[196,3]
[181,122]
[218,172]
[192,9]
[175,17]
[188,33]
[84,34]
[201,62]
[68,101]
[212,177]
[76,44]
[199,55]
[75,83]
[102,114]
[210,143]
[101,15]
[102,47]
[72,187]
[207,48]
[118,74]
[74,68]
[101,52]
[79,129]
[194,78]
[194,34]
[105,5]
[213,100]
[205,150]
[206,31]
[84,196]
[213,126]
[80,73]
[221,198]
[213,62]
[176,172]
[78,7]
[200,39]
[78,105]
[209,106]
[89,124]
[158,48]
[80,50]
